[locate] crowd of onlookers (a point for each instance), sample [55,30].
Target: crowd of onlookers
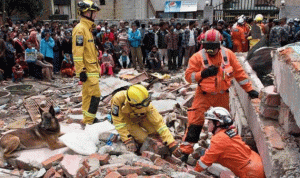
[43,49]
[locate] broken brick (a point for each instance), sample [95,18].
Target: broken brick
[51,172]
[157,176]
[71,164]
[269,97]
[150,155]
[269,111]
[103,159]
[110,167]
[227,174]
[155,145]
[126,170]
[163,163]
[52,160]
[173,160]
[150,169]
[82,172]
[113,175]
[135,175]
[57,175]
[274,138]
[198,174]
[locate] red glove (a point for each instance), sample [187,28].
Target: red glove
[175,149]
[130,145]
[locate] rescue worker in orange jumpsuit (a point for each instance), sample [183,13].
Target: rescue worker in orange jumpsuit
[238,36]
[213,68]
[246,28]
[228,149]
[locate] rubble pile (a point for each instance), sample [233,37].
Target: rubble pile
[97,151]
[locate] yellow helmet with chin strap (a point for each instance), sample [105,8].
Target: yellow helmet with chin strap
[138,95]
[87,5]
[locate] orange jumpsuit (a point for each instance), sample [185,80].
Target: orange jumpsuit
[228,149]
[238,38]
[204,100]
[246,29]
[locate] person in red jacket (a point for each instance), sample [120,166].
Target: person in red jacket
[213,69]
[228,149]
[238,37]
[110,35]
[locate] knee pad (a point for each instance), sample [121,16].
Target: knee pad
[94,105]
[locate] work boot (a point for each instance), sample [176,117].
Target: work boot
[184,158]
[96,120]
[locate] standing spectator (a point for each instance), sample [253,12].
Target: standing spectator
[123,41]
[33,40]
[67,44]
[46,47]
[154,58]
[276,35]
[181,49]
[190,42]
[56,53]
[46,30]
[39,35]
[171,40]
[160,40]
[19,44]
[10,53]
[135,46]
[107,64]
[143,32]
[124,60]
[149,41]
[3,62]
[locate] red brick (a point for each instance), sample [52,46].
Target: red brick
[49,162]
[161,162]
[150,155]
[150,169]
[51,172]
[135,175]
[82,172]
[60,171]
[296,65]
[126,170]
[76,111]
[57,175]
[269,111]
[226,174]
[173,160]
[113,175]
[269,97]
[199,174]
[274,138]
[103,159]
[157,176]
[94,174]
[155,145]
[110,167]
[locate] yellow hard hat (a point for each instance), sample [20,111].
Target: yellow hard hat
[259,18]
[87,5]
[138,95]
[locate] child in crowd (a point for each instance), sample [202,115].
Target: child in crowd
[30,53]
[124,60]
[18,72]
[108,46]
[154,59]
[67,66]
[107,62]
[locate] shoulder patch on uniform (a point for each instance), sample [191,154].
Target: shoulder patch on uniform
[231,133]
[235,30]
[115,110]
[79,40]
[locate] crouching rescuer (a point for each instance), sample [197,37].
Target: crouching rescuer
[213,69]
[228,149]
[85,57]
[135,118]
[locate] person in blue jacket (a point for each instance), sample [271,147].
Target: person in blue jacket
[46,47]
[134,38]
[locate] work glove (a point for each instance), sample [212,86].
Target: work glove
[210,71]
[253,94]
[83,77]
[130,145]
[175,149]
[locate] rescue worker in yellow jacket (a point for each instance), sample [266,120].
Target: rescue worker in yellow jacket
[134,117]
[85,58]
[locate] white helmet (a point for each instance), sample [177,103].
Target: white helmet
[240,21]
[259,18]
[219,114]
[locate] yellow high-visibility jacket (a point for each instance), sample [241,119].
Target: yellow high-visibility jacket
[123,114]
[85,54]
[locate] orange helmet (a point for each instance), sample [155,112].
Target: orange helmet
[212,40]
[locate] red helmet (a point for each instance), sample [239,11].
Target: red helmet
[212,40]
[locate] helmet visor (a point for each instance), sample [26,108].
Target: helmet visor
[145,103]
[95,7]
[211,46]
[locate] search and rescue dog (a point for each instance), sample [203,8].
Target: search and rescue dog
[44,134]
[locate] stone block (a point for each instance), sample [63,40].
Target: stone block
[150,155]
[274,138]
[47,164]
[269,97]
[126,170]
[71,164]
